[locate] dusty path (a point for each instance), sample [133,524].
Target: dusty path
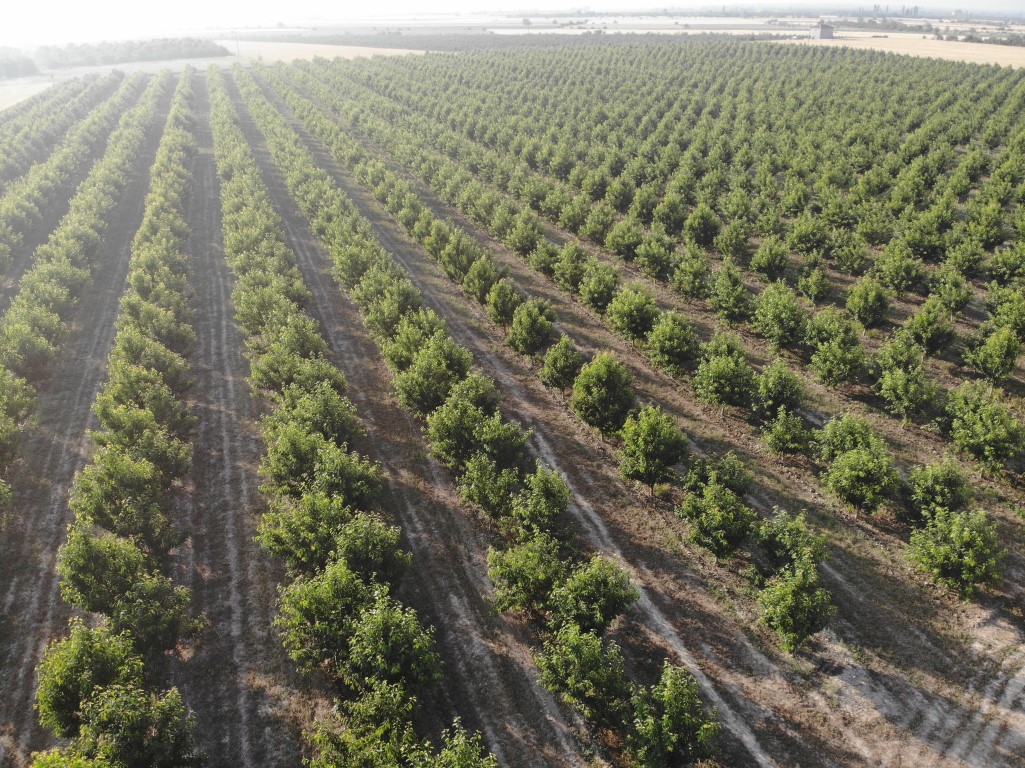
[239,682]
[490,677]
[32,611]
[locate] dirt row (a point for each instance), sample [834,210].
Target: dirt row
[490,678]
[237,680]
[891,704]
[31,612]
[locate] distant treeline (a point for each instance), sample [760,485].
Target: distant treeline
[123,52]
[964,35]
[13,63]
[477,40]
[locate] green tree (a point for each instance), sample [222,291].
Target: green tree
[672,343]
[780,317]
[598,286]
[603,393]
[532,330]
[771,259]
[959,549]
[777,388]
[562,364]
[588,673]
[939,486]
[997,355]
[724,376]
[75,668]
[125,725]
[632,312]
[719,518]
[594,594]
[795,605]
[388,643]
[543,500]
[652,445]
[729,296]
[525,574]
[702,226]
[862,477]
[868,302]
[983,426]
[435,369]
[503,299]
[672,726]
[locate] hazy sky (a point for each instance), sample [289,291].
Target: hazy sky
[26,23]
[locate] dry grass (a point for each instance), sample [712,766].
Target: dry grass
[915,45]
[269,52]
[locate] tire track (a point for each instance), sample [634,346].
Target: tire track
[494,687]
[239,681]
[51,454]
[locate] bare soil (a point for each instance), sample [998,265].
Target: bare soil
[248,702]
[923,46]
[51,453]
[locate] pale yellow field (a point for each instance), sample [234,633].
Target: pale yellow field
[251,51]
[914,45]
[13,92]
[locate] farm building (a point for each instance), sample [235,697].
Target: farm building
[822,31]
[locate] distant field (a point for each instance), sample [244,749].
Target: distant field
[914,45]
[13,92]
[250,50]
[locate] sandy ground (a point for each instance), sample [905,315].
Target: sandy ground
[930,48]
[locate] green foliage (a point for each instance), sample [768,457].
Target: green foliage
[784,539]
[868,302]
[795,605]
[594,594]
[412,333]
[984,427]
[719,518]
[959,549]
[435,369]
[780,317]
[75,668]
[624,239]
[692,273]
[771,259]
[939,486]
[652,445]
[672,343]
[502,300]
[997,355]
[862,477]
[786,433]
[729,296]
[542,502]
[845,433]
[899,269]
[672,726]
[562,364]
[488,486]
[903,382]
[304,531]
[525,573]
[480,278]
[124,725]
[598,286]
[104,573]
[317,613]
[632,312]
[724,376]
[838,355]
[588,673]
[603,393]
[388,643]
[931,326]
[571,265]
[702,226]
[532,328]
[779,388]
